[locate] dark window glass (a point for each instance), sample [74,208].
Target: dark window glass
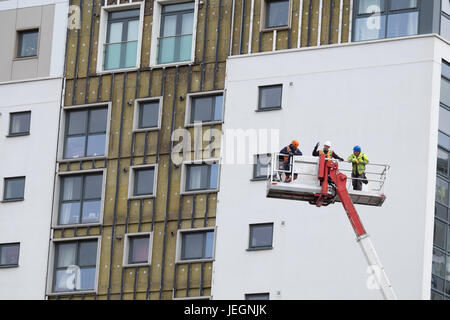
[197,245]
[261,235]
[9,254]
[436,296]
[261,166]
[403,24]
[207,108]
[444,140]
[80,199]
[277,13]
[122,40]
[177,27]
[444,119]
[445,92]
[438,266]
[143,181]
[75,266]
[442,191]
[440,230]
[403,4]
[202,177]
[441,211]
[437,283]
[27,45]
[86,133]
[14,188]
[19,123]
[138,249]
[446,68]
[270,97]
[148,114]
[442,162]
[257,296]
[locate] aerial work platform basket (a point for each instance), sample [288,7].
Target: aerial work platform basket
[306,186]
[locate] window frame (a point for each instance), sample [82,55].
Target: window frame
[260,89]
[137,113]
[189,104]
[104,16]
[156,31]
[17,47]
[179,247]
[126,262]
[132,182]
[263,15]
[58,197]
[19,134]
[257,294]
[386,13]
[184,179]
[251,231]
[64,128]
[5,266]
[255,166]
[52,267]
[5,188]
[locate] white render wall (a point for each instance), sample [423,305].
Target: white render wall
[33,156]
[382,95]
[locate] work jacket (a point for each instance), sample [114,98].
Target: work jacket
[360,167]
[330,154]
[290,151]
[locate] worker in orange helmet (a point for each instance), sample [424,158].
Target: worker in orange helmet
[291,150]
[326,150]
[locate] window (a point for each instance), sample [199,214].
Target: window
[75,266]
[197,245]
[261,166]
[144,181]
[276,13]
[270,97]
[176,33]
[80,199]
[19,123]
[377,19]
[202,177]
[444,118]
[149,115]
[9,254]
[261,236]
[442,163]
[440,230]
[137,249]
[14,189]
[85,134]
[121,47]
[442,191]
[207,108]
[27,44]
[257,296]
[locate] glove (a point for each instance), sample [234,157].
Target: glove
[317,145]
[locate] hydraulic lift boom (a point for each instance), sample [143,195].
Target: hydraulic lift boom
[329,174]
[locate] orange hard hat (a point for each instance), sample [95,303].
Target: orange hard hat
[295,143]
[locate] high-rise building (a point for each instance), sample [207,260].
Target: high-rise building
[380,91]
[32,35]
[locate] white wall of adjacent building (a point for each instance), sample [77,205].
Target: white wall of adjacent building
[28,222]
[382,95]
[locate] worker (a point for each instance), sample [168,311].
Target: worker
[359,161]
[326,150]
[290,150]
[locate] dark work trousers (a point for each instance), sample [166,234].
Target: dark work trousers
[357,184]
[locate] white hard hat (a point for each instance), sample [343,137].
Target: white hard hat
[327,143]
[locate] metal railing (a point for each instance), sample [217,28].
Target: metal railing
[305,168]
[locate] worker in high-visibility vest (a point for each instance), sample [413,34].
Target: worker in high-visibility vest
[326,150]
[359,161]
[290,150]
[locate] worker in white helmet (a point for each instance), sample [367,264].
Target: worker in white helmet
[326,150]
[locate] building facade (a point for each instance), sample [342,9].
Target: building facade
[131,197]
[31,80]
[381,91]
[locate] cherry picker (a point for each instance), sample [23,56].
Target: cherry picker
[321,183]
